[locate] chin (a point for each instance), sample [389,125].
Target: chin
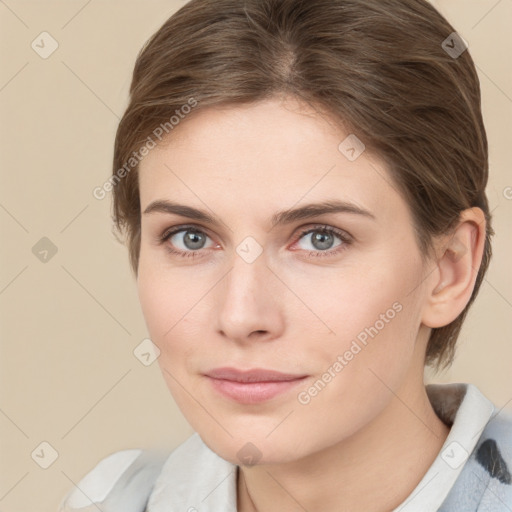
[247,450]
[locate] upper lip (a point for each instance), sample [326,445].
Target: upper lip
[251,375]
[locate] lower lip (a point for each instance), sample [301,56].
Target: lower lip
[253,392]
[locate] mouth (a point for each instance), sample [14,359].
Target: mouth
[252,386]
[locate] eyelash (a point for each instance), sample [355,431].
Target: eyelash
[162,239]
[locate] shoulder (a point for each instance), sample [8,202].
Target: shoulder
[494,449]
[486,478]
[492,460]
[500,425]
[122,481]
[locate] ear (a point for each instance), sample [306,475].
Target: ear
[458,262]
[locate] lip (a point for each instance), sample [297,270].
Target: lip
[252,386]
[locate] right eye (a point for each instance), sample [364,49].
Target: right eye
[185,241]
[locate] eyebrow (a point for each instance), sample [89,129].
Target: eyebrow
[280,218]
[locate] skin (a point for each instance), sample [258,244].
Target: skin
[367,438]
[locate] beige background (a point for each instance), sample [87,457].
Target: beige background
[69,326]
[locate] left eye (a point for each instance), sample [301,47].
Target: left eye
[322,239]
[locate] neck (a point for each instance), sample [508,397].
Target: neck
[374,470]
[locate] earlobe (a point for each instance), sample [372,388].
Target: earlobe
[457,268]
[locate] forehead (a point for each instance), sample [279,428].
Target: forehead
[270,154]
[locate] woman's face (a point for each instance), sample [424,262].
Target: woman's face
[258,287]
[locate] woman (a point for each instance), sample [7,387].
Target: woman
[301,184]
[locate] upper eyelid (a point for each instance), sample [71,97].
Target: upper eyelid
[178,228]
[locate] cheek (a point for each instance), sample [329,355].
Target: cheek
[153,300]
[164,310]
[370,356]
[373,315]
[354,303]
[168,304]
[164,296]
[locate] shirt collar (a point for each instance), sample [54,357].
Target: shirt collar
[194,478]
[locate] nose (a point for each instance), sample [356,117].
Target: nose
[249,303]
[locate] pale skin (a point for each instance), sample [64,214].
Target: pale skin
[364,441]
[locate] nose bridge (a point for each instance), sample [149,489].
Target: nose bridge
[248,301]
[243,283]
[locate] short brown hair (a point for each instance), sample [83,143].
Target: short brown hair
[378,67]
